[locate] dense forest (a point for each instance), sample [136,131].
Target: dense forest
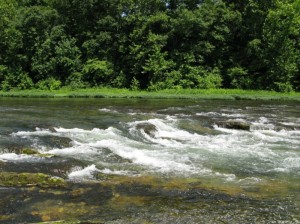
[153,44]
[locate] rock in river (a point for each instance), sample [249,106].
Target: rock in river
[148,128]
[232,124]
[56,141]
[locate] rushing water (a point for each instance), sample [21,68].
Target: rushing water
[257,170]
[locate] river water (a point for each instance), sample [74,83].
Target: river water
[199,172]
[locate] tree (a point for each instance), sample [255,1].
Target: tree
[281,36]
[246,46]
[199,41]
[151,44]
[9,36]
[57,57]
[34,23]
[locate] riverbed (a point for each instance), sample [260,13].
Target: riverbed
[149,161]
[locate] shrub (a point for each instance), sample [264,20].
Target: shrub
[135,84]
[210,80]
[172,80]
[3,70]
[24,82]
[16,79]
[75,81]
[239,78]
[49,84]
[119,81]
[97,72]
[284,87]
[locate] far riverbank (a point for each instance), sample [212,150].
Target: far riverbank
[219,94]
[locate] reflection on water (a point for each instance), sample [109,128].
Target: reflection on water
[199,170]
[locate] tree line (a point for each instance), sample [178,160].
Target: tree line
[153,44]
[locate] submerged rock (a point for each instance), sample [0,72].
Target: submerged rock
[231,124]
[12,148]
[56,141]
[110,157]
[30,179]
[52,129]
[148,128]
[197,128]
[28,151]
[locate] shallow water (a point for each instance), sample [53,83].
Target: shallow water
[256,172]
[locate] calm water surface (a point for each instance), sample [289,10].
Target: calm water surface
[246,176]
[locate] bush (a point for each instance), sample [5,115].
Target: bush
[211,80]
[135,84]
[75,81]
[3,70]
[16,79]
[24,82]
[119,80]
[49,84]
[239,78]
[172,80]
[284,87]
[97,72]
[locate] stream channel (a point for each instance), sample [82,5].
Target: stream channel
[149,161]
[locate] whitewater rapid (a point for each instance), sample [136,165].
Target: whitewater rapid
[181,143]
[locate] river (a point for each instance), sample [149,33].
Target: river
[151,161]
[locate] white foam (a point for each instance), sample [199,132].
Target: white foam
[157,160]
[86,173]
[166,134]
[118,172]
[75,134]
[261,126]
[216,114]
[37,132]
[170,149]
[272,136]
[263,120]
[81,151]
[12,157]
[226,177]
[208,114]
[106,110]
[291,162]
[226,130]
[292,124]
[279,170]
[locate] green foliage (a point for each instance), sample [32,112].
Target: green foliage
[283,87]
[75,81]
[24,82]
[49,84]
[67,60]
[135,84]
[153,45]
[239,78]
[58,56]
[281,36]
[156,65]
[97,72]
[171,81]
[198,77]
[119,81]
[3,70]
[16,80]
[7,12]
[211,80]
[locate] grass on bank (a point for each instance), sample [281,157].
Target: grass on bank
[230,94]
